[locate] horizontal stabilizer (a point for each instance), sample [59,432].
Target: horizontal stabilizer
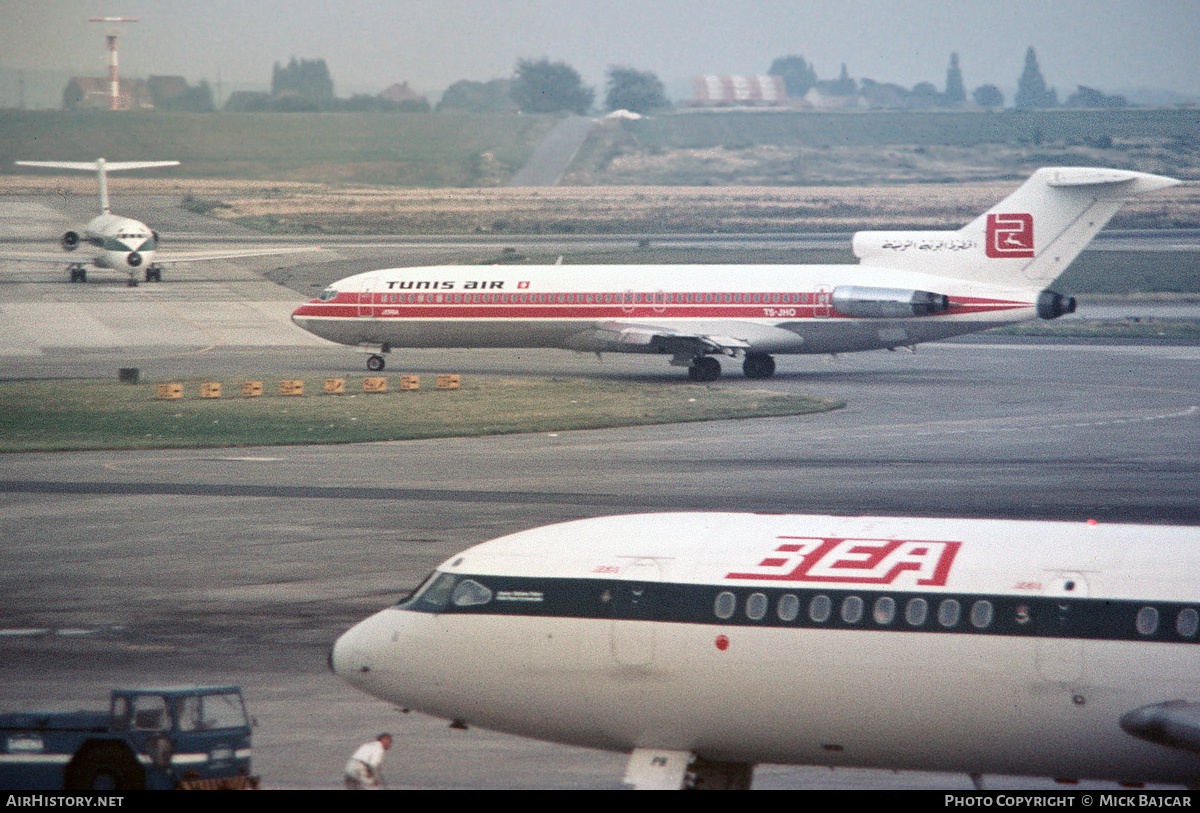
[95,166]
[1175,724]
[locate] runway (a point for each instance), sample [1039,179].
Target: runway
[243,565]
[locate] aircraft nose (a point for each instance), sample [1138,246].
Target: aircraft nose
[348,659]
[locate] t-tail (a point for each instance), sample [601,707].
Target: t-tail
[1025,241]
[101,168]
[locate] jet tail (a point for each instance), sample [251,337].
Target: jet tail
[101,167]
[1026,240]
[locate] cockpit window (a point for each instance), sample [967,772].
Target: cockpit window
[329,294]
[470,593]
[435,595]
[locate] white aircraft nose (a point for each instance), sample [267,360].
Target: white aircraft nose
[355,655]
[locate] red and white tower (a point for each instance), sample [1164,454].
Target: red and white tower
[111,37]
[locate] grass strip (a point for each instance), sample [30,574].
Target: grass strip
[59,415]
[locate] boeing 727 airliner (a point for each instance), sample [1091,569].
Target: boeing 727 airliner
[122,243]
[702,644]
[909,287]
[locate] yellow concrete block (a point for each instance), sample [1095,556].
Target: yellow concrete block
[410,382]
[251,389]
[291,387]
[170,391]
[374,384]
[210,389]
[447,382]
[335,386]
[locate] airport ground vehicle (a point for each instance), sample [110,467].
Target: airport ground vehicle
[178,737]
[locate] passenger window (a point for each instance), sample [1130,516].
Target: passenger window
[788,608]
[948,612]
[916,611]
[852,609]
[1147,621]
[725,605]
[981,614]
[885,610]
[756,606]
[819,609]
[470,593]
[1187,623]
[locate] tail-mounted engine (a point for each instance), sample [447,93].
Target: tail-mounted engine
[1051,305]
[70,241]
[887,303]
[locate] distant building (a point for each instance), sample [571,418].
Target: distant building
[738,91]
[401,93]
[84,92]
[164,89]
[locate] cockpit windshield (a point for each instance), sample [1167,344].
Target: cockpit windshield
[329,294]
[434,596]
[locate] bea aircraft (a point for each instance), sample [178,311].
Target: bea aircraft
[702,644]
[909,287]
[121,243]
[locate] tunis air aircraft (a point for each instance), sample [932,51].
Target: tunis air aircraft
[909,287]
[702,644]
[121,243]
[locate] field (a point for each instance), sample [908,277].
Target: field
[413,149]
[60,415]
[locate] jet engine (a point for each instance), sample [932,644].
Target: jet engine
[134,259]
[887,303]
[1051,305]
[70,241]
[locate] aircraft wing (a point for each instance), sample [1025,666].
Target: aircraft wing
[159,256]
[162,257]
[44,257]
[632,337]
[1175,724]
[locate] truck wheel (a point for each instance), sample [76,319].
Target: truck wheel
[107,766]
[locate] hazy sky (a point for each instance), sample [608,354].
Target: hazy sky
[369,44]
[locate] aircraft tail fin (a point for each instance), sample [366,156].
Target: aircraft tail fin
[101,167]
[1026,240]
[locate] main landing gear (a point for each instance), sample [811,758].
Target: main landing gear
[755,365]
[78,272]
[375,361]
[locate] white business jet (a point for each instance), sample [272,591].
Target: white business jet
[909,287]
[702,644]
[122,243]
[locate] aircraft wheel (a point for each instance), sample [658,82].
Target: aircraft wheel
[78,275]
[153,274]
[705,368]
[132,283]
[758,365]
[375,363]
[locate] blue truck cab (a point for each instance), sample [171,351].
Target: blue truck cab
[178,737]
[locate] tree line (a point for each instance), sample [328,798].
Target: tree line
[543,86]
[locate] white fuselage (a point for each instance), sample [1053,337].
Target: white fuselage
[119,243]
[773,309]
[977,646]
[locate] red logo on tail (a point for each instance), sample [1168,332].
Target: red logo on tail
[1009,236]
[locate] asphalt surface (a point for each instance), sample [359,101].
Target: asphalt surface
[243,565]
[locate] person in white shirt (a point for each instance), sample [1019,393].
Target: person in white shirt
[363,769]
